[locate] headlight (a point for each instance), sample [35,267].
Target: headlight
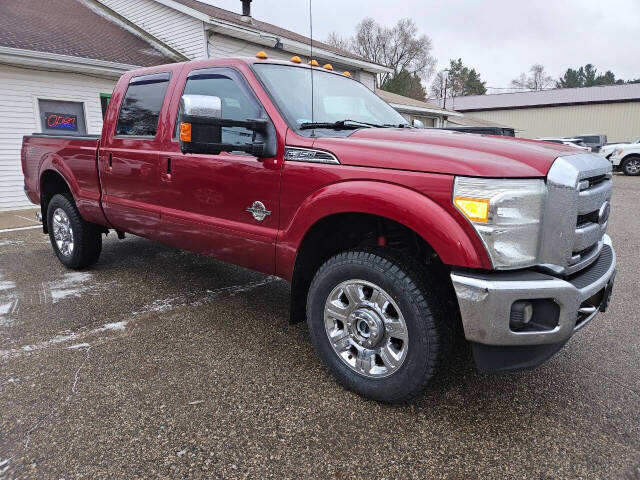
[507,215]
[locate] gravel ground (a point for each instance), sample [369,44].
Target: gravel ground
[160,363]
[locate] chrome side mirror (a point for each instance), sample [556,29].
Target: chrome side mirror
[201,125]
[417,123]
[206,106]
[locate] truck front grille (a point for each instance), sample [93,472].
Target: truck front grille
[576,214]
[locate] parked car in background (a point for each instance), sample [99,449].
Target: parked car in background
[624,157]
[593,140]
[500,131]
[570,142]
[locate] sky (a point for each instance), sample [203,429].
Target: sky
[499,38]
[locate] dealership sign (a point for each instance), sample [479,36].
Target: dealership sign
[61,121]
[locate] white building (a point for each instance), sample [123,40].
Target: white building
[431,115]
[612,110]
[65,56]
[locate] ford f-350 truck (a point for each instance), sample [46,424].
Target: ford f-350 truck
[391,236]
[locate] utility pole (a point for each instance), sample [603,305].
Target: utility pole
[446,78]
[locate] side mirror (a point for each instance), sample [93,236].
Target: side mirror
[201,123]
[418,123]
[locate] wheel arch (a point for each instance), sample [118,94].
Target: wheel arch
[356,209]
[52,182]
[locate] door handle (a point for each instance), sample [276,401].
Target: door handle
[165,175]
[110,163]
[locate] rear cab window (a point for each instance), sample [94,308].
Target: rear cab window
[141,105]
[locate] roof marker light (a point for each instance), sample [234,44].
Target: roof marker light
[347,74]
[313,63]
[261,55]
[296,59]
[327,66]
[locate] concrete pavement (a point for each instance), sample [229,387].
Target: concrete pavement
[161,363]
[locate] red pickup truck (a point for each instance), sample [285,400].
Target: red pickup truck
[395,239]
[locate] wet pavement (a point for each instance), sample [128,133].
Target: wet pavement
[160,363]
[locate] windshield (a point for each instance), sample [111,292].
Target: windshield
[336,97]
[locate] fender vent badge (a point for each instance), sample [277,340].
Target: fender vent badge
[258,210]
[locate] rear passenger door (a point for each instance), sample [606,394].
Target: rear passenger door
[129,159]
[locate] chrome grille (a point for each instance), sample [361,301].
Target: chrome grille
[579,189]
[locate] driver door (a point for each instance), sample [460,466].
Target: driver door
[209,201]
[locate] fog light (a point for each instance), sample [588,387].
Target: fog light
[521,314]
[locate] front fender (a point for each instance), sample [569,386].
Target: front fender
[454,244]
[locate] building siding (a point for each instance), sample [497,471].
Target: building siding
[619,121]
[367,78]
[177,30]
[20,89]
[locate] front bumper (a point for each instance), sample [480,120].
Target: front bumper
[561,307]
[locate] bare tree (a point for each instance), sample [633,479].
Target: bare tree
[536,80]
[457,80]
[337,41]
[398,47]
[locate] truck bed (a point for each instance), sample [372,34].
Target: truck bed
[77,154]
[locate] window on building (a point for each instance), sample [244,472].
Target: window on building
[62,117]
[238,103]
[105,98]
[141,105]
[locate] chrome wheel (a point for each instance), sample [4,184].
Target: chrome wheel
[632,166]
[62,232]
[366,328]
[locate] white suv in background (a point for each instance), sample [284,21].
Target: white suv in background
[623,156]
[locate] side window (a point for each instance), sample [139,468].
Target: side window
[238,102]
[141,105]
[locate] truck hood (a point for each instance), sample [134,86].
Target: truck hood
[444,151]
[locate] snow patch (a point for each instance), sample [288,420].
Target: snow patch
[112,326]
[6,243]
[5,307]
[72,285]
[6,285]
[78,346]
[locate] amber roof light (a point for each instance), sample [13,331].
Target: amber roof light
[261,55]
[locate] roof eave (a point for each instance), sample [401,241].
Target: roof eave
[293,46]
[411,108]
[63,63]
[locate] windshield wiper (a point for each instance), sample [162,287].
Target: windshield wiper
[396,125]
[339,125]
[351,125]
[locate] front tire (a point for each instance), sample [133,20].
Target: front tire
[377,323]
[76,243]
[631,166]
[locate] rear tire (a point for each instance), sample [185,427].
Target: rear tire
[359,358]
[631,166]
[76,243]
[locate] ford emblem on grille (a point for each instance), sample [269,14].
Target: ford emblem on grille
[603,213]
